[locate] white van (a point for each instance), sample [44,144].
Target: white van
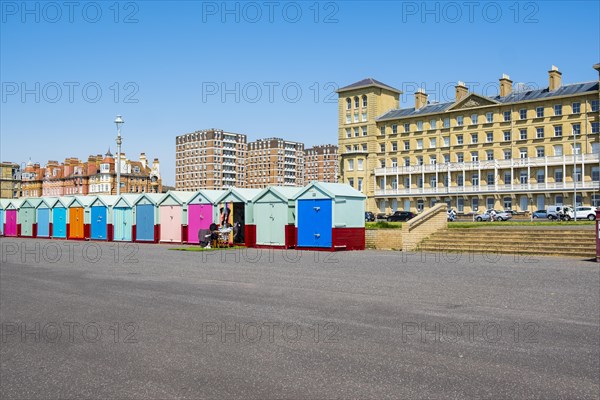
[554,212]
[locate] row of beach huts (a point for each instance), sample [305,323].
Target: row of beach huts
[319,216]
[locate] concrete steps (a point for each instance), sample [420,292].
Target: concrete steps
[558,242]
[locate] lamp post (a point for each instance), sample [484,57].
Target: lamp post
[575,176]
[118,122]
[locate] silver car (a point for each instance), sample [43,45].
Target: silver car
[487,215]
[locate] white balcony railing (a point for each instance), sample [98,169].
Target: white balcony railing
[588,185]
[532,162]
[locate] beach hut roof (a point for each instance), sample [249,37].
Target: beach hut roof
[332,190]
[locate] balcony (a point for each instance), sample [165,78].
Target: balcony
[482,189]
[532,162]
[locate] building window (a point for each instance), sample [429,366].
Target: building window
[460,157]
[474,119]
[382,147]
[432,160]
[490,155]
[407,127]
[446,122]
[407,162]
[350,165]
[489,137]
[432,182]
[432,143]
[360,164]
[523,113]
[382,130]
[446,158]
[506,116]
[432,124]
[351,182]
[446,141]
[540,152]
[356,132]
[394,146]
[360,184]
[558,175]
[459,120]
[523,177]
[459,180]
[595,173]
[420,182]
[558,150]
[523,134]
[348,104]
[540,176]
[348,118]
[406,145]
[355,116]
[419,125]
[459,139]
[420,144]
[539,132]
[420,205]
[460,204]
[507,154]
[576,129]
[558,131]
[595,105]
[507,136]
[364,100]
[523,153]
[489,116]
[558,109]
[382,163]
[595,127]
[420,160]
[474,138]
[539,112]
[474,156]
[355,102]
[490,178]
[364,116]
[576,107]
[576,149]
[507,178]
[348,133]
[394,129]
[507,203]
[475,204]
[364,131]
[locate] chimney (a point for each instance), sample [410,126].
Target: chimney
[554,78]
[505,85]
[420,99]
[461,91]
[143,160]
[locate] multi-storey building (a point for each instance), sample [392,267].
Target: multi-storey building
[520,150]
[321,163]
[31,180]
[274,162]
[98,176]
[10,180]
[210,159]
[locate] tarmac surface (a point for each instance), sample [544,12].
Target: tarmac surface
[89,320]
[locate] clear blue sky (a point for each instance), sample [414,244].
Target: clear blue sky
[176,58]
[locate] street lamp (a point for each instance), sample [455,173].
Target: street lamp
[575,176]
[118,122]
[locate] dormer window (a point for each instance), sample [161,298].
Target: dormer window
[104,168]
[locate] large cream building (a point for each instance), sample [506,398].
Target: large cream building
[521,150]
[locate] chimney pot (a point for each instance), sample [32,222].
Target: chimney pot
[554,78]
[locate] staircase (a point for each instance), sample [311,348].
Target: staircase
[578,242]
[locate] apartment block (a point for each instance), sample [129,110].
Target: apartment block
[523,149]
[210,159]
[321,163]
[274,162]
[10,180]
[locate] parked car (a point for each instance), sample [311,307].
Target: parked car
[540,214]
[511,212]
[560,213]
[400,216]
[369,216]
[381,217]
[487,215]
[586,212]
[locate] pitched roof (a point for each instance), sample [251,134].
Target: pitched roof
[513,97]
[282,192]
[333,190]
[366,83]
